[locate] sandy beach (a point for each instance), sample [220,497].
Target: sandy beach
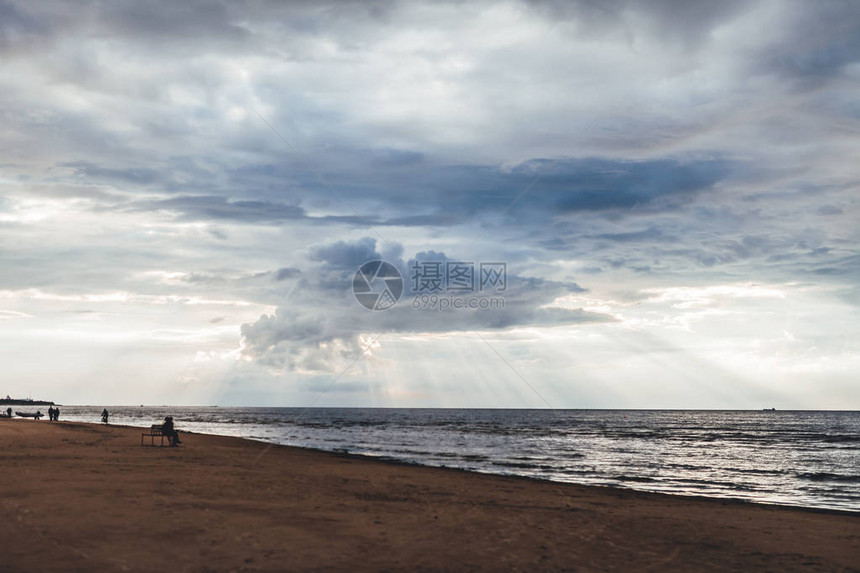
[84,497]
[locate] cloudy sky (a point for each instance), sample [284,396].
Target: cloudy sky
[187,191]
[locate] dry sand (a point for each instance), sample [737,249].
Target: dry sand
[82,497]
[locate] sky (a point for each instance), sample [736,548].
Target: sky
[187,191]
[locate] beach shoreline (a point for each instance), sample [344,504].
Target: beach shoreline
[233,504]
[410,463]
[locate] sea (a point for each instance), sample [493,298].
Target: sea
[798,458]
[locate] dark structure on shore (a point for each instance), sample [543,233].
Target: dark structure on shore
[7,401]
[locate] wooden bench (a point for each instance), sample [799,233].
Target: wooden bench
[154,432]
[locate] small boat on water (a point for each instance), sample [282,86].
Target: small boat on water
[37,414]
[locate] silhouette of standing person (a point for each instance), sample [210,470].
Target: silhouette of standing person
[104,416]
[50,414]
[56,414]
[8,412]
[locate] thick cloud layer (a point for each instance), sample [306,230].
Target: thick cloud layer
[208,176]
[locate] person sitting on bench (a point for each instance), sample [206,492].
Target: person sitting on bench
[168,430]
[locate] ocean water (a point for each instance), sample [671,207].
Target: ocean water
[809,459]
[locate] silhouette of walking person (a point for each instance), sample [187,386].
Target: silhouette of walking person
[104,416]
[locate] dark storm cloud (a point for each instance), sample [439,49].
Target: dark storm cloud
[286,273]
[600,184]
[221,209]
[445,196]
[453,194]
[187,22]
[820,41]
[829,210]
[817,40]
[347,255]
[395,158]
[323,309]
[19,28]
[646,235]
[183,28]
[141,176]
[237,278]
[690,22]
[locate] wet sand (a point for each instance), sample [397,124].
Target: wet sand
[85,497]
